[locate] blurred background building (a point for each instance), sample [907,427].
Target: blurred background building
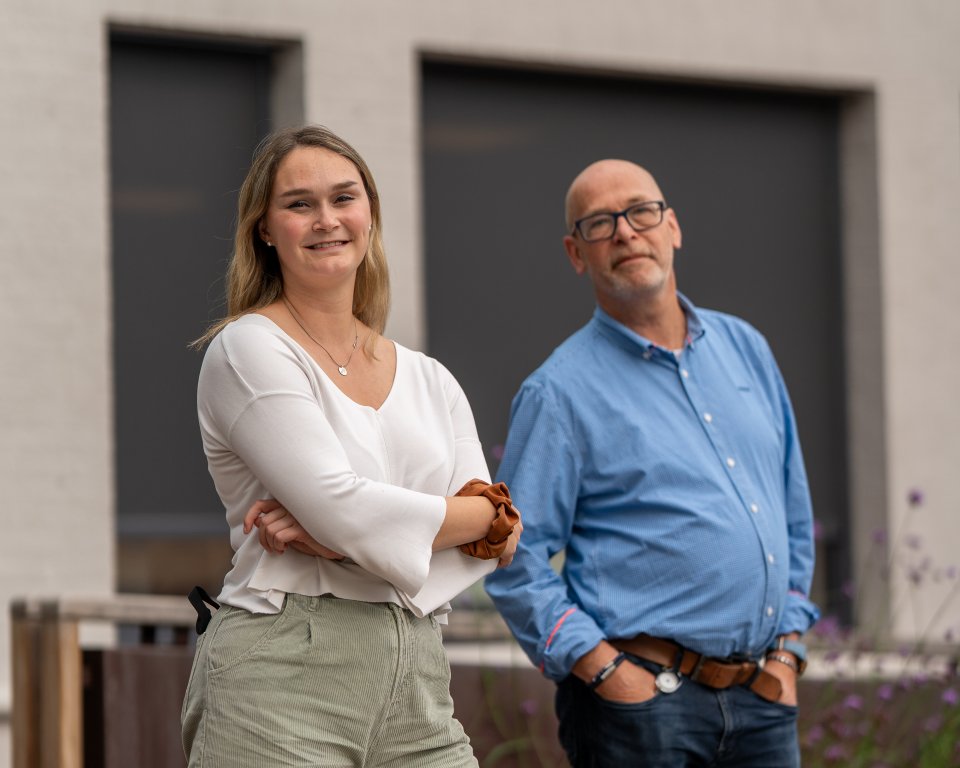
[810,149]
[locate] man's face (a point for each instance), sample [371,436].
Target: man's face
[631,265]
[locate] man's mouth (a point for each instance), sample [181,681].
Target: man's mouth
[631,257]
[327,244]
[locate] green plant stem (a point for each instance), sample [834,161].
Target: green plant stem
[504,749]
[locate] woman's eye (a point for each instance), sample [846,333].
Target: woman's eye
[344,198]
[298,204]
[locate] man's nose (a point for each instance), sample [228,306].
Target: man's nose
[621,228]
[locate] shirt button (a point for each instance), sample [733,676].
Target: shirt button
[770,559]
[685,373]
[769,610]
[730,462]
[754,508]
[708,417]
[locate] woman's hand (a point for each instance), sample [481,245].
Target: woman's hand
[507,557]
[278,529]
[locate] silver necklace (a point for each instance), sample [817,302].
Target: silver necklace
[341,367]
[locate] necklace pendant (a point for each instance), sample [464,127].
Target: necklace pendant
[342,369]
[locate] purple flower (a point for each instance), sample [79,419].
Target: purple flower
[828,628]
[879,536]
[841,729]
[915,497]
[835,753]
[497,451]
[815,734]
[885,692]
[913,541]
[853,701]
[949,635]
[950,697]
[951,572]
[933,724]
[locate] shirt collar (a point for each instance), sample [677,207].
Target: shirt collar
[615,329]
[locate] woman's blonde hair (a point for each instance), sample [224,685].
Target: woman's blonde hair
[254,279]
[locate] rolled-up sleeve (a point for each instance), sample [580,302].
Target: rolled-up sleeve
[542,469]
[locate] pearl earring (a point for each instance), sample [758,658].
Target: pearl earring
[269,244]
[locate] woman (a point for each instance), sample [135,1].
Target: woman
[327,650]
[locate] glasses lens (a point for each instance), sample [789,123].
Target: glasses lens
[645,216]
[598,227]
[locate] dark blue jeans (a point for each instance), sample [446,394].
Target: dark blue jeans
[694,726]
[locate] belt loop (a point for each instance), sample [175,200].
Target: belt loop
[314,603]
[695,672]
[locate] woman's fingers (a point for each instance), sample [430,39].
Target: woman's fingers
[507,557]
[258,508]
[271,526]
[277,529]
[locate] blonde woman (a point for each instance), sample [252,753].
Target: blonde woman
[338,454]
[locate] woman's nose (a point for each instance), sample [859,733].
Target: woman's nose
[325,220]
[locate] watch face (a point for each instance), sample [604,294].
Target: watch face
[668,681]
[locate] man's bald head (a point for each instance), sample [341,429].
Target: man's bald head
[601,175]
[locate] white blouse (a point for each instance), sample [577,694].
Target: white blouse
[366,482]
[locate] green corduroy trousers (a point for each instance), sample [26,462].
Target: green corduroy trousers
[325,682]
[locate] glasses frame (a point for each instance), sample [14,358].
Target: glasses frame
[660,204]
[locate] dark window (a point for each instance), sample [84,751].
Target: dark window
[184,120]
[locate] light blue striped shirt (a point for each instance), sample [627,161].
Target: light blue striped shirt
[676,486]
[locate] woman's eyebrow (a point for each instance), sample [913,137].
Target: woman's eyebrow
[303,191]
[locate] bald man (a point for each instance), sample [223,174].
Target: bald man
[657,448]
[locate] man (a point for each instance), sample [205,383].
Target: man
[657,448]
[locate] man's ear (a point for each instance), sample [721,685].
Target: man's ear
[674,228]
[573,253]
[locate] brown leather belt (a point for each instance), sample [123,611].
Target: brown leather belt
[714,673]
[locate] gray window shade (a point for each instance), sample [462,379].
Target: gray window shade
[184,120]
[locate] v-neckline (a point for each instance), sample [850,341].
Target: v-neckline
[332,381]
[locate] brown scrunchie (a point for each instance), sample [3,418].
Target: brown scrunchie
[493,544]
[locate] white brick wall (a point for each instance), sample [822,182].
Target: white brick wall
[361,79]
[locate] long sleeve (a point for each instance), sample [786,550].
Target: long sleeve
[799,612]
[541,467]
[451,571]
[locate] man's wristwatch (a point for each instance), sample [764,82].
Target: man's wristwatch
[798,649]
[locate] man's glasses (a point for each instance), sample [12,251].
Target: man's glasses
[601,226]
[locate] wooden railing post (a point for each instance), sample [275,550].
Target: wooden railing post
[48,667]
[61,689]
[25,646]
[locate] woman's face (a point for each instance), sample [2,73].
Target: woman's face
[318,219]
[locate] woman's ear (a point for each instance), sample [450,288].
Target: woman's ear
[264,232]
